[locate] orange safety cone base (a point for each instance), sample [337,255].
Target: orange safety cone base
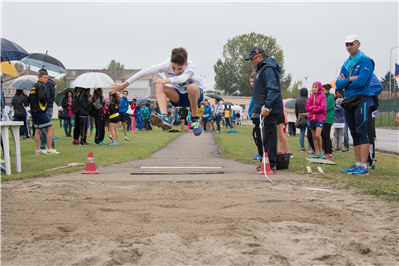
[90,165]
[265,161]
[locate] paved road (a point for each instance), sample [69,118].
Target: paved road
[387,139]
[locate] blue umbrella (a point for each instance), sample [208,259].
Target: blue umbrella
[11,51]
[45,61]
[24,82]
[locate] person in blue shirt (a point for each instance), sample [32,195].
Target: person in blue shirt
[354,80]
[146,115]
[123,107]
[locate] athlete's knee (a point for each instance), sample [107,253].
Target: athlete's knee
[159,86]
[192,88]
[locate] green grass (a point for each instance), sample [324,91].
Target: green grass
[385,121]
[141,145]
[381,182]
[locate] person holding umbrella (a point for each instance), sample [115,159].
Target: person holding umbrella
[38,103]
[185,90]
[66,106]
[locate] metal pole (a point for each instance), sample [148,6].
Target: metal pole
[390,73]
[336,73]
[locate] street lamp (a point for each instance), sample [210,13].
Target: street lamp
[306,82]
[390,73]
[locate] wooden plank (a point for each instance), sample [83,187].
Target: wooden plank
[320,161]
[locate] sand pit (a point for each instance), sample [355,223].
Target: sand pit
[234,218]
[50,222]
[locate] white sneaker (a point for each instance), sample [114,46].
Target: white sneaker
[39,152]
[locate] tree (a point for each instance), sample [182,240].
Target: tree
[61,84]
[117,64]
[294,91]
[232,72]
[385,83]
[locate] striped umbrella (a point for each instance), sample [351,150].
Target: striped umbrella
[8,68]
[11,51]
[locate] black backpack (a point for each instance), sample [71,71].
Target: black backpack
[75,106]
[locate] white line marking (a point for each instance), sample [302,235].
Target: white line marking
[320,189]
[178,167]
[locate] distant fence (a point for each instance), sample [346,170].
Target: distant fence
[387,111]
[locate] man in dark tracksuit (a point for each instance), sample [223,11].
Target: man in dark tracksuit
[267,99]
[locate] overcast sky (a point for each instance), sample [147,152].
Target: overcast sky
[139,34]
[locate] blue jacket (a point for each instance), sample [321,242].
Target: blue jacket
[360,86]
[124,106]
[251,105]
[207,112]
[267,89]
[339,116]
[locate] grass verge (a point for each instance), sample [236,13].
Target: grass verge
[382,182]
[141,145]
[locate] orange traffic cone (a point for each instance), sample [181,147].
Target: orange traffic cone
[265,161]
[90,165]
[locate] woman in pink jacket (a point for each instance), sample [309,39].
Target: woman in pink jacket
[317,108]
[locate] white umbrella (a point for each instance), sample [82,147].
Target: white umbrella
[93,80]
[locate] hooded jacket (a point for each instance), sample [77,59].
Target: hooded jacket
[37,98]
[19,102]
[85,104]
[360,86]
[330,108]
[50,93]
[300,103]
[124,106]
[267,89]
[339,114]
[317,105]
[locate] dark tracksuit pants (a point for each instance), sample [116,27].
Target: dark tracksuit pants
[257,136]
[84,124]
[76,129]
[269,132]
[100,128]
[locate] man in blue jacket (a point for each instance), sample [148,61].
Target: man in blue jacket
[267,99]
[123,107]
[354,80]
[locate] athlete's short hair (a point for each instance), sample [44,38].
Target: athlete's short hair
[179,56]
[42,72]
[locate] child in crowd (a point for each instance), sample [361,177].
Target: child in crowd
[325,133]
[339,125]
[139,118]
[133,116]
[123,107]
[186,88]
[85,106]
[317,108]
[146,116]
[66,105]
[76,130]
[207,116]
[234,118]
[183,117]
[189,119]
[38,103]
[97,113]
[113,112]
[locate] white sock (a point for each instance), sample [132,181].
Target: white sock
[364,165]
[358,163]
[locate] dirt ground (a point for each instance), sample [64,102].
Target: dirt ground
[77,220]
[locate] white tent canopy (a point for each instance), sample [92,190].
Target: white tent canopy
[238,108]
